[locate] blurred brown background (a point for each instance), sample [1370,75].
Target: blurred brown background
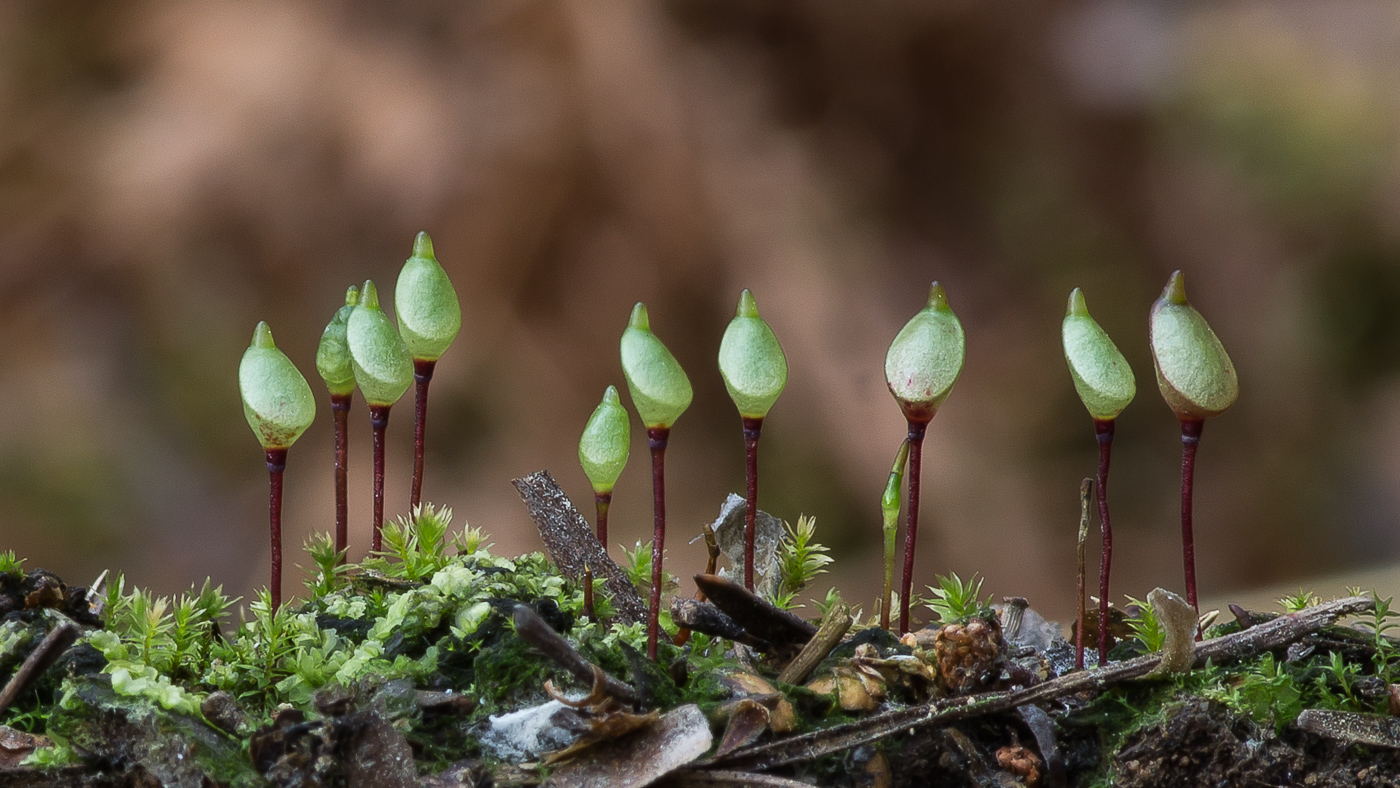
[171,173]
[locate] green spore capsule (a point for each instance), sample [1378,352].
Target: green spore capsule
[925,358]
[1101,375]
[660,389]
[277,400]
[603,449]
[1194,372]
[333,354]
[426,303]
[751,361]
[381,361]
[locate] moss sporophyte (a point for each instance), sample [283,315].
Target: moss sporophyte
[754,369]
[602,451]
[1106,385]
[279,407]
[661,393]
[333,363]
[383,371]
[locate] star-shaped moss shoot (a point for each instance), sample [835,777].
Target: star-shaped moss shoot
[660,392]
[602,451]
[383,372]
[279,407]
[1105,383]
[921,367]
[889,513]
[755,371]
[333,362]
[1198,381]
[429,319]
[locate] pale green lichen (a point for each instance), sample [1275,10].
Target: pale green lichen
[925,358]
[1194,372]
[1101,374]
[751,361]
[605,443]
[277,400]
[660,389]
[429,313]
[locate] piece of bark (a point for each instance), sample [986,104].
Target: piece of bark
[707,619]
[533,630]
[572,544]
[833,628]
[677,739]
[1255,640]
[754,613]
[57,641]
[1374,730]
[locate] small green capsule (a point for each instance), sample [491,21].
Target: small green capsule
[383,367]
[925,358]
[1193,370]
[889,502]
[426,303]
[660,390]
[333,354]
[277,401]
[751,361]
[1101,375]
[607,437]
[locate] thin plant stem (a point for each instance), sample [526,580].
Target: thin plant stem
[340,407]
[588,592]
[911,530]
[422,376]
[1085,490]
[276,464]
[656,439]
[378,422]
[601,502]
[1190,439]
[1103,430]
[752,428]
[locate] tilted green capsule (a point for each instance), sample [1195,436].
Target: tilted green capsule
[1101,375]
[889,502]
[1193,370]
[383,367]
[607,437]
[751,361]
[426,303]
[277,400]
[925,358]
[333,354]
[660,390]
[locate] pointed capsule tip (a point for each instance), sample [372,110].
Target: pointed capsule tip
[423,245]
[352,295]
[639,318]
[937,298]
[747,306]
[369,295]
[262,335]
[1175,291]
[610,395]
[1077,307]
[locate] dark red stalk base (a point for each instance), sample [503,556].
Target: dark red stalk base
[911,529]
[1103,430]
[1190,438]
[601,502]
[422,376]
[378,422]
[340,407]
[276,463]
[656,438]
[752,428]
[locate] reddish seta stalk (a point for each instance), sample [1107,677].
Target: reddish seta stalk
[1103,430]
[422,376]
[601,502]
[657,438]
[1190,439]
[340,407]
[911,531]
[276,464]
[752,428]
[378,422]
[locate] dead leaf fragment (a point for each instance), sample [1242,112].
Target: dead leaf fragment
[679,737]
